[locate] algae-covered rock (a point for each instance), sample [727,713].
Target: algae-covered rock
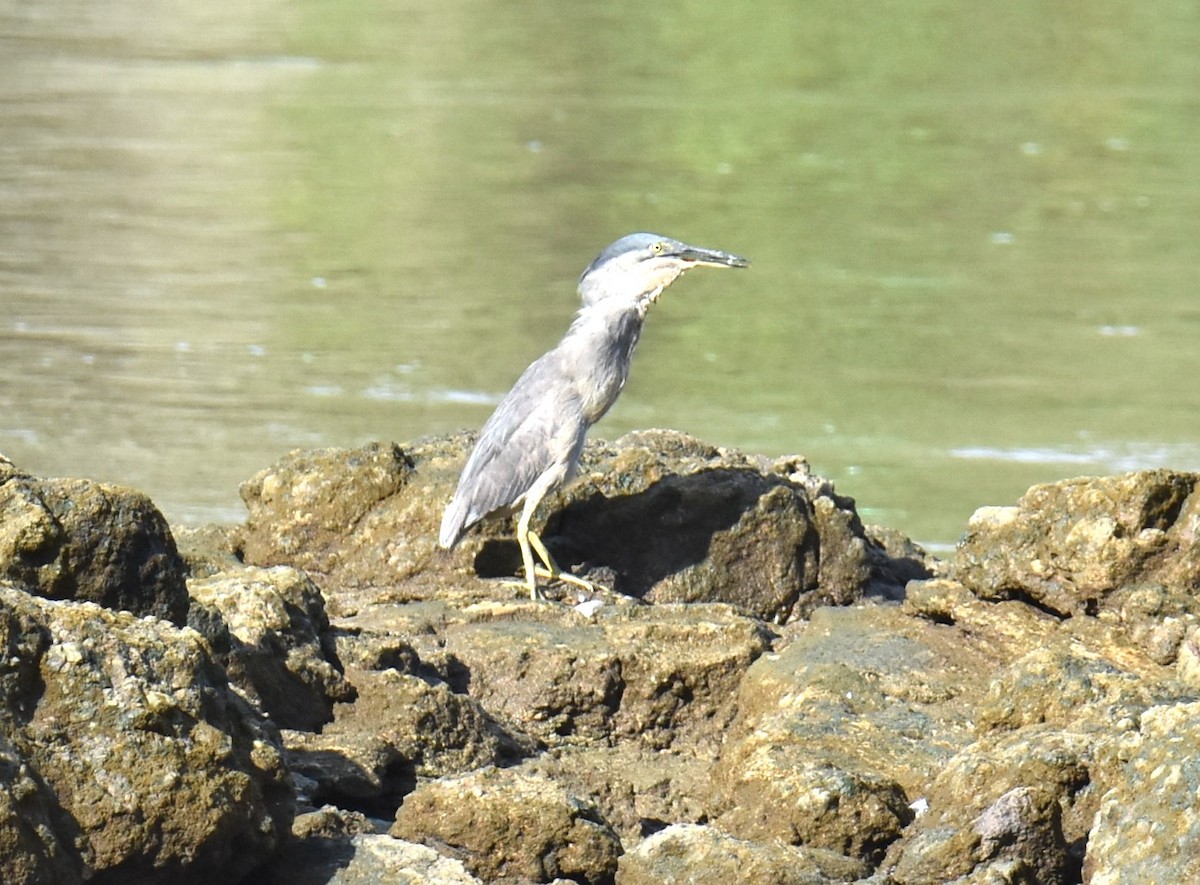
[756,534]
[398,728]
[695,853]
[1147,828]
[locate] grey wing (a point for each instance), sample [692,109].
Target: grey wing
[532,429]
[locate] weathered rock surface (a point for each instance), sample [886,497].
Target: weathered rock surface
[1067,546]
[779,694]
[401,727]
[1147,828]
[126,757]
[508,826]
[269,628]
[335,847]
[693,853]
[77,539]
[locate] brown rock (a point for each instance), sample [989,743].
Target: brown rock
[727,528]
[337,847]
[1066,546]
[658,674]
[399,728]
[999,804]
[158,772]
[35,834]
[77,539]
[693,853]
[270,631]
[506,826]
[304,507]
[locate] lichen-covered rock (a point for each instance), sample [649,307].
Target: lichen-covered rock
[695,853]
[270,630]
[1089,691]
[504,825]
[400,727]
[638,789]
[1066,546]
[158,772]
[727,527]
[209,549]
[1147,828]
[77,539]
[780,793]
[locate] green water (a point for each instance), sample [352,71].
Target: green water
[229,231]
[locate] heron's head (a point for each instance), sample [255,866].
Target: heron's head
[636,268]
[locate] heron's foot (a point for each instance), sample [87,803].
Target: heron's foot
[558,574]
[534,591]
[551,571]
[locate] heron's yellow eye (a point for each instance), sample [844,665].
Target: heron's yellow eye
[657,248]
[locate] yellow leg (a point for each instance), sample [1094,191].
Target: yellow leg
[552,572]
[523,538]
[529,541]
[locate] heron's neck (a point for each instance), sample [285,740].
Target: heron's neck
[599,345]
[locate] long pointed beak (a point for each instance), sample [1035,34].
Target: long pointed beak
[710,257]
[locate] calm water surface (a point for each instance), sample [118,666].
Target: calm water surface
[236,229]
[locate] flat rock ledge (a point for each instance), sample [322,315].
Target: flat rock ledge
[770,691]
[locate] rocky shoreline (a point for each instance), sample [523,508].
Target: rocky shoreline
[775,692]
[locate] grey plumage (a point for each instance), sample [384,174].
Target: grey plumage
[532,442]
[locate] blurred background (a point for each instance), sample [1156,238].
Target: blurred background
[232,229]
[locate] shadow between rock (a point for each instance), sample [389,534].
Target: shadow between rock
[646,537]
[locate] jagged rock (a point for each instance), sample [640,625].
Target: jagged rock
[1067,546]
[1089,691]
[780,793]
[638,790]
[35,835]
[157,772]
[270,630]
[727,528]
[694,853]
[1147,828]
[77,539]
[506,826]
[399,728]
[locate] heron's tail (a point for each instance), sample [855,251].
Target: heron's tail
[452,524]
